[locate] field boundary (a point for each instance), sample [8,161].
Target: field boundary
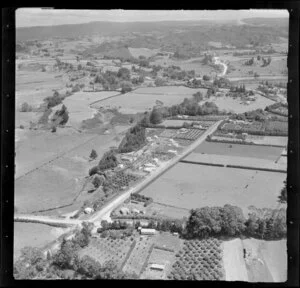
[245,143]
[146,260]
[128,254]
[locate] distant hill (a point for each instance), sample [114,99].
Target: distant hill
[76,30]
[274,22]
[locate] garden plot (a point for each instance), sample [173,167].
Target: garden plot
[199,260]
[143,99]
[236,106]
[190,134]
[139,255]
[108,249]
[192,186]
[164,210]
[263,152]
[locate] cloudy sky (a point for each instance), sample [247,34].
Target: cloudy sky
[26,17]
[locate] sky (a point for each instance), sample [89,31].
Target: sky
[26,17]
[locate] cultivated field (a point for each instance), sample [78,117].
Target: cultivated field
[136,52]
[192,186]
[138,256]
[261,263]
[106,249]
[263,152]
[198,260]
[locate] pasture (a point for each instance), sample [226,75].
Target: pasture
[79,108]
[237,106]
[262,152]
[58,182]
[192,186]
[33,86]
[143,99]
[33,234]
[268,140]
[276,67]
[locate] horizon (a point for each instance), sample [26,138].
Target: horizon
[45,17]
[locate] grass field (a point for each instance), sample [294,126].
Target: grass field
[33,234]
[33,87]
[263,152]
[268,140]
[136,52]
[144,99]
[234,105]
[78,105]
[58,182]
[192,186]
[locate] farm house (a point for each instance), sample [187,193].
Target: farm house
[147,231]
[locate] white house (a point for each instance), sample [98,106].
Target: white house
[147,231]
[88,210]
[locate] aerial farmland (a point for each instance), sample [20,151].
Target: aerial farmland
[152,152]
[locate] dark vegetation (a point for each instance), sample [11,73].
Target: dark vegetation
[134,139]
[141,198]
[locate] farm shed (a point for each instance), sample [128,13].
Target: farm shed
[147,231]
[158,267]
[88,210]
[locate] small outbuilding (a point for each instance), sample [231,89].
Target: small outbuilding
[158,267]
[148,231]
[88,210]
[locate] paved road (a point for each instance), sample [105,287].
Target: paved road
[104,213]
[106,210]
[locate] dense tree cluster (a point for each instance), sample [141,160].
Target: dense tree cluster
[192,108]
[25,107]
[282,198]
[208,59]
[238,89]
[54,100]
[175,73]
[215,221]
[125,87]
[93,154]
[266,62]
[156,116]
[108,160]
[249,62]
[61,116]
[134,139]
[229,221]
[141,198]
[254,115]
[222,83]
